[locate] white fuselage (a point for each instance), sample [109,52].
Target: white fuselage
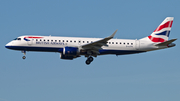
[56,44]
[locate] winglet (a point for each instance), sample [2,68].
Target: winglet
[113,34]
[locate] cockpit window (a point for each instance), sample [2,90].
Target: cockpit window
[17,39]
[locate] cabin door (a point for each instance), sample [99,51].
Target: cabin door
[137,44]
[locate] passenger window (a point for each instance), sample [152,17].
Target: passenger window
[131,43]
[120,43]
[59,40]
[70,41]
[124,43]
[40,40]
[66,40]
[52,40]
[44,40]
[112,42]
[128,43]
[83,41]
[55,40]
[47,40]
[109,42]
[36,39]
[87,41]
[116,43]
[74,41]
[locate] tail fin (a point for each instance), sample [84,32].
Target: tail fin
[161,33]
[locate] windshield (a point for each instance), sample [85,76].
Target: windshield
[17,39]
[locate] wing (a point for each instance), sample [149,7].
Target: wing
[96,46]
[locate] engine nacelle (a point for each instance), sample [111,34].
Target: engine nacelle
[71,51]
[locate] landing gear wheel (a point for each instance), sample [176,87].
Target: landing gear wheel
[90,59]
[88,62]
[24,57]
[24,52]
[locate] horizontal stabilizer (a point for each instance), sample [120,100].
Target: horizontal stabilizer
[165,43]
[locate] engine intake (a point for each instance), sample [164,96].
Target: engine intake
[71,51]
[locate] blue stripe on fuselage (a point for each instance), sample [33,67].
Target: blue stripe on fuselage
[49,49]
[43,49]
[119,52]
[26,39]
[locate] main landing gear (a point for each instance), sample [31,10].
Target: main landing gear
[89,60]
[24,52]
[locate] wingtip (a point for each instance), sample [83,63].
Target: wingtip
[114,33]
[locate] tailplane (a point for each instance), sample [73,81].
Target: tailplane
[167,43]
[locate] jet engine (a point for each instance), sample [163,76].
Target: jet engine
[70,52]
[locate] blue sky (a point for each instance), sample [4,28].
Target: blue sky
[151,76]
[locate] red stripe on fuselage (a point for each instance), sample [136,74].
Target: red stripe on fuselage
[33,37]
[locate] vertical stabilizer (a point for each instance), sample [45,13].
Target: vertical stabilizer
[161,33]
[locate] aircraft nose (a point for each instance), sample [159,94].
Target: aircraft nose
[8,45]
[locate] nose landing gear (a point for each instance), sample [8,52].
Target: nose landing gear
[24,52]
[89,60]
[24,57]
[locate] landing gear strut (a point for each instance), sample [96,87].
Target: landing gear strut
[24,52]
[89,60]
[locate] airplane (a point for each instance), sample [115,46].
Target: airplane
[74,47]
